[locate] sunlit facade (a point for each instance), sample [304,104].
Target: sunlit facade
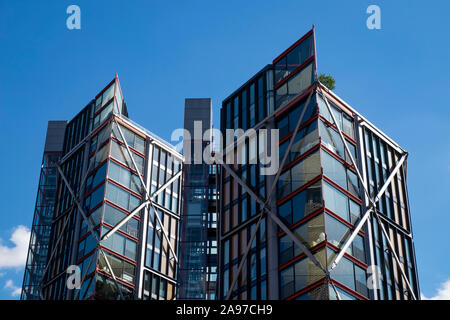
[318,195]
[198,227]
[43,212]
[125,251]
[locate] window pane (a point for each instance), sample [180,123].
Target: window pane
[348,126]
[306,272]
[130,249]
[287,282]
[284,184]
[336,201]
[360,285]
[355,212]
[334,170]
[305,140]
[311,233]
[305,170]
[353,183]
[331,139]
[343,272]
[337,233]
[285,211]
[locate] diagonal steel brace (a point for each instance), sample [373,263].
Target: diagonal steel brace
[372,202]
[148,196]
[269,212]
[91,228]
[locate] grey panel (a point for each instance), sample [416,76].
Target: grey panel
[197,109]
[55,136]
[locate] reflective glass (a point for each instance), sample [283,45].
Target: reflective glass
[334,170]
[336,201]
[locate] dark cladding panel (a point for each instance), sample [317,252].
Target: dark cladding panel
[55,136]
[197,109]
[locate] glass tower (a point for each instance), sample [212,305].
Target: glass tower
[198,237]
[116,209]
[319,202]
[43,212]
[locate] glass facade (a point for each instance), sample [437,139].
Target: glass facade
[198,234]
[43,214]
[99,169]
[318,195]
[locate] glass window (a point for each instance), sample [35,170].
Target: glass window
[348,126]
[343,272]
[281,69]
[282,150]
[355,212]
[307,273]
[305,170]
[336,201]
[300,81]
[334,170]
[124,177]
[283,126]
[331,139]
[120,153]
[99,118]
[323,109]
[236,112]
[311,233]
[295,86]
[353,183]
[130,249]
[94,179]
[305,140]
[281,96]
[352,149]
[261,110]
[104,98]
[287,282]
[100,138]
[286,249]
[358,248]
[343,294]
[121,197]
[284,184]
[337,115]
[95,198]
[113,216]
[252,105]
[285,211]
[360,281]
[122,269]
[337,233]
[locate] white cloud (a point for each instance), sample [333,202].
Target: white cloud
[13,257]
[15,290]
[443,293]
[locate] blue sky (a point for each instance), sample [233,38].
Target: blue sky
[165,51]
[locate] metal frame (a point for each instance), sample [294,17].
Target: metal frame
[372,203]
[58,166]
[274,217]
[265,210]
[148,196]
[149,199]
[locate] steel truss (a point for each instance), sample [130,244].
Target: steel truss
[149,200]
[372,203]
[265,210]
